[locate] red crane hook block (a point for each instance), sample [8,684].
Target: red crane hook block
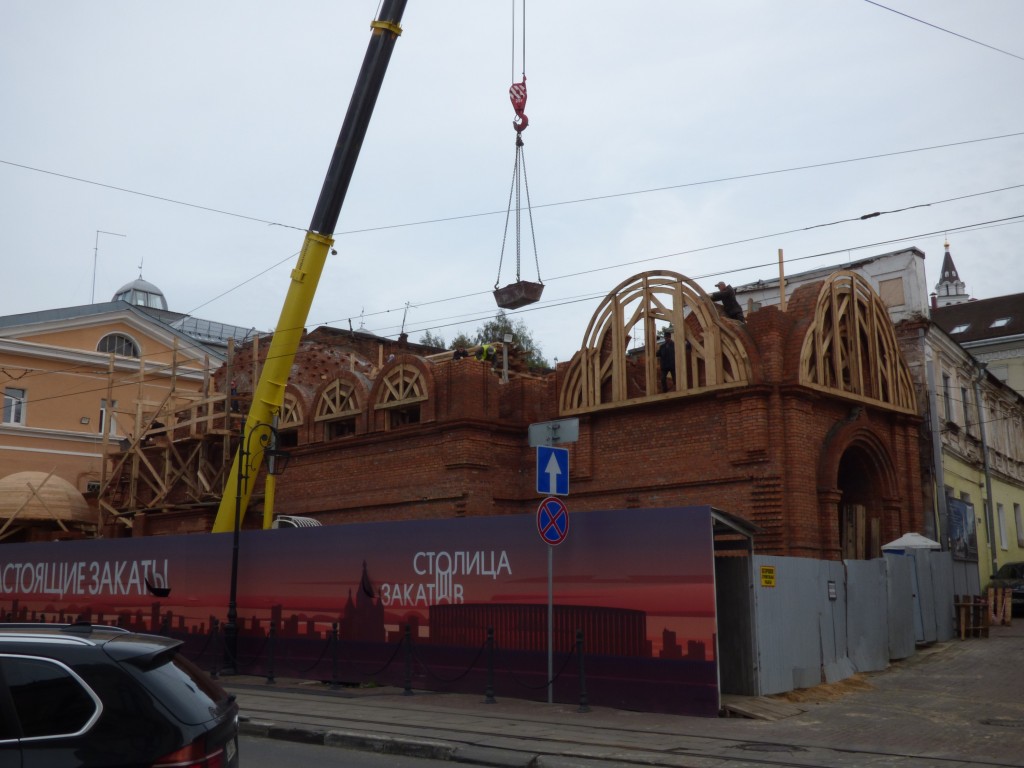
[517,94]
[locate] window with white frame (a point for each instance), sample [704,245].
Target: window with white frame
[120,344]
[14,405]
[1018,518]
[1001,516]
[108,417]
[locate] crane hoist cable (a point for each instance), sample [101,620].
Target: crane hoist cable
[521,292]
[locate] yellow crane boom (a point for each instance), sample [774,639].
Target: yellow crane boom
[268,395]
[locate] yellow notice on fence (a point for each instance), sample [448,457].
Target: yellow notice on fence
[767,575]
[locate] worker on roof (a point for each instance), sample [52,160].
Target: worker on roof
[726,294]
[487,353]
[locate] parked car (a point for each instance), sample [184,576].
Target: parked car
[1011,576]
[87,695]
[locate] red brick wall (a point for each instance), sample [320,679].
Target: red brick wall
[768,452]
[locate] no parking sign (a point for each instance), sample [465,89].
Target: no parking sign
[553,520]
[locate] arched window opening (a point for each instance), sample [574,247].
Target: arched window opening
[289,422]
[338,409]
[401,395]
[120,344]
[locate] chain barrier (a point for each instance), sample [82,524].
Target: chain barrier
[412,657]
[377,671]
[321,658]
[552,681]
[426,667]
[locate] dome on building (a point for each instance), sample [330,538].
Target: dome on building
[34,497]
[141,293]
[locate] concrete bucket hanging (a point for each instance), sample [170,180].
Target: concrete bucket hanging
[521,292]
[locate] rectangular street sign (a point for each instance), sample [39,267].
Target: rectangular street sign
[552,471]
[558,432]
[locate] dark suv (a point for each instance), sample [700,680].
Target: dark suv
[1011,576]
[87,695]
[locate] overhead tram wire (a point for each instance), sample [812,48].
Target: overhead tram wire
[593,198]
[543,305]
[742,241]
[943,29]
[685,185]
[1018,218]
[598,269]
[700,249]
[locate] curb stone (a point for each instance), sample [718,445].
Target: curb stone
[390,745]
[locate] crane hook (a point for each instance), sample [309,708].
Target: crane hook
[517,94]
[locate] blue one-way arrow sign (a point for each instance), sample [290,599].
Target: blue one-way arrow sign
[552,471]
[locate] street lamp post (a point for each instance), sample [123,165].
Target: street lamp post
[276,462]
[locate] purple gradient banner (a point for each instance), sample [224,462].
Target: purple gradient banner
[635,586]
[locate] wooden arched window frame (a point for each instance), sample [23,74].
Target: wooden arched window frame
[709,354]
[851,347]
[337,409]
[289,421]
[402,391]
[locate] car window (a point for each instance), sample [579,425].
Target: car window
[187,691]
[49,698]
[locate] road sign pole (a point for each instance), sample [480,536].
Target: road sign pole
[551,624]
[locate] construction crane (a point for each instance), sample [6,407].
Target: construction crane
[268,395]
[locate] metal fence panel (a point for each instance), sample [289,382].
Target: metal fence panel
[966,580]
[901,610]
[868,614]
[820,621]
[798,628]
[941,565]
[925,598]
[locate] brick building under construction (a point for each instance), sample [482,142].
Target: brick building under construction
[802,420]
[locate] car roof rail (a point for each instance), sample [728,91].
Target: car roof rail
[77,626]
[88,626]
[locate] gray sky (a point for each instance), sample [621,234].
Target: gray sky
[236,106]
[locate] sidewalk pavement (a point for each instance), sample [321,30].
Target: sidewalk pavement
[957,703]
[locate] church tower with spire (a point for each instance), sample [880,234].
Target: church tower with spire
[950,289]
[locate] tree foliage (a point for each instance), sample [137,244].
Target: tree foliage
[495,330]
[434,340]
[492,331]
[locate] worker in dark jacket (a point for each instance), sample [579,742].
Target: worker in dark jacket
[667,360]
[727,295]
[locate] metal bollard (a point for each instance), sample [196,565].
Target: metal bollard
[408,661]
[584,703]
[335,684]
[489,693]
[270,663]
[214,634]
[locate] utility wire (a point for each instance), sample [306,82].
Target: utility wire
[589,297]
[197,346]
[576,201]
[147,194]
[943,29]
[717,245]
[684,185]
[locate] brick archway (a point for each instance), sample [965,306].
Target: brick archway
[858,498]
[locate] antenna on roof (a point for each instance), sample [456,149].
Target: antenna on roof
[95,255]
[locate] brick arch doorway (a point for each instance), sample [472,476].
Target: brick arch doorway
[862,510]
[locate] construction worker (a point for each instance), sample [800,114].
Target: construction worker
[487,353]
[726,294]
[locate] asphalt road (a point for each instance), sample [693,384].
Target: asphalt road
[255,752]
